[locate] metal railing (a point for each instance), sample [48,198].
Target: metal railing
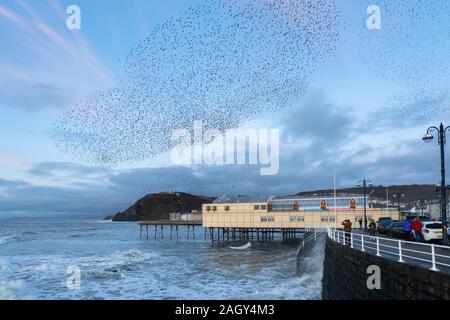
[316,233]
[436,257]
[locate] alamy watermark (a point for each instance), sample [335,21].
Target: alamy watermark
[73,21]
[232,147]
[374,280]
[373,22]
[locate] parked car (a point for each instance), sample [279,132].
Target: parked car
[432,230]
[395,229]
[384,219]
[386,225]
[382,223]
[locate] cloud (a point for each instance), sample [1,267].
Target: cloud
[414,108]
[12,17]
[11,184]
[29,95]
[75,193]
[73,169]
[318,119]
[54,69]
[329,129]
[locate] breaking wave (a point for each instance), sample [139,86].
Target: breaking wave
[116,264]
[14,290]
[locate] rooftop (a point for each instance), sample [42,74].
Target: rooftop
[240,199]
[318,197]
[260,199]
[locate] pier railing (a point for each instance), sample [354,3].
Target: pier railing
[435,257]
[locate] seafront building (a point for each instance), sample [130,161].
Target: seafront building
[194,215]
[296,212]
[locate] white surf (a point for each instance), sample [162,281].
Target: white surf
[245,246]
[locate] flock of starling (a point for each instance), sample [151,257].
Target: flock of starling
[222,62]
[226,61]
[413,42]
[412,51]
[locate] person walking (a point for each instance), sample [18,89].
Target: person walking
[417,228]
[347,230]
[372,228]
[360,223]
[407,228]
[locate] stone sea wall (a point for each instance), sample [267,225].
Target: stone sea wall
[345,277]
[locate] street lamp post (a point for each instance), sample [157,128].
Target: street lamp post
[441,141]
[364,183]
[398,195]
[422,203]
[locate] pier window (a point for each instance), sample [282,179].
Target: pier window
[214,208]
[324,219]
[267,219]
[227,208]
[256,207]
[263,207]
[208,208]
[297,219]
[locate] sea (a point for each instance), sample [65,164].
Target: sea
[88,258]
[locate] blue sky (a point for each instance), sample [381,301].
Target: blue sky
[363,113]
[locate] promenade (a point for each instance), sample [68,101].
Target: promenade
[430,256]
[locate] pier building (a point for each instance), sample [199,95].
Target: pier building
[295,212]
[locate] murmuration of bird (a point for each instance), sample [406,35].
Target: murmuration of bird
[223,62]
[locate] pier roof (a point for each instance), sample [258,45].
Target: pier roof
[318,197]
[240,199]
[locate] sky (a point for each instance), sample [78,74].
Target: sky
[362,111]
